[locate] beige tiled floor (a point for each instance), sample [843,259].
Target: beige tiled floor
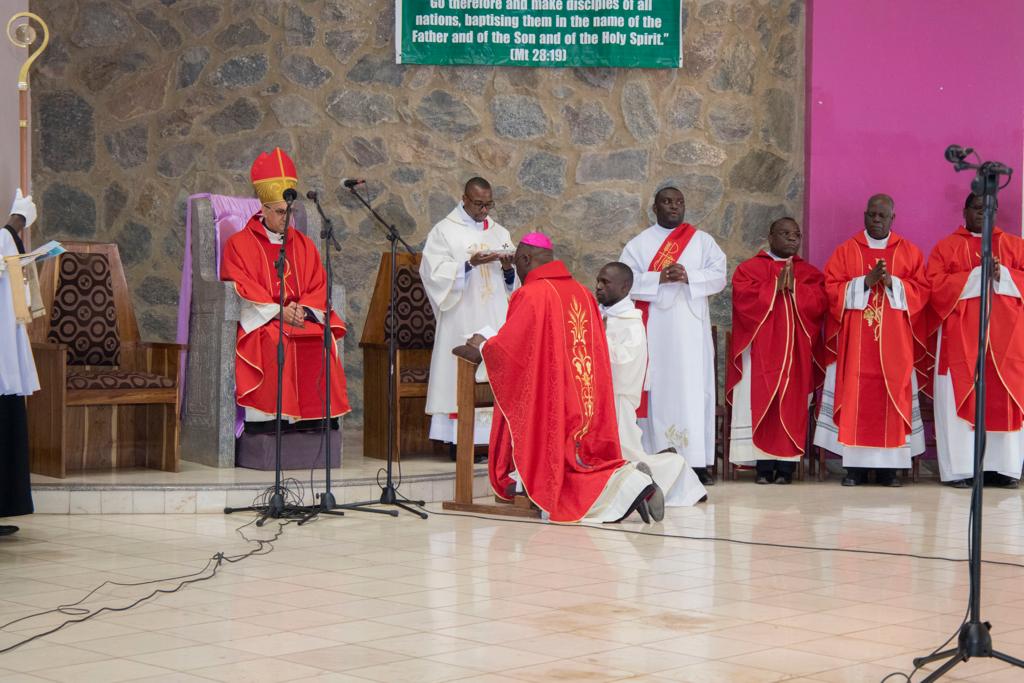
[364,598]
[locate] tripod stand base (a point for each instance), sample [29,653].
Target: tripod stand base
[388,496]
[328,506]
[274,509]
[974,641]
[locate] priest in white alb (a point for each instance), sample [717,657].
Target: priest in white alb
[468,275]
[676,269]
[627,349]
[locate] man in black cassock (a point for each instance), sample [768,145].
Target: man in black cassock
[18,378]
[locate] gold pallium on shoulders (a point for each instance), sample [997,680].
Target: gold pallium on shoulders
[582,363]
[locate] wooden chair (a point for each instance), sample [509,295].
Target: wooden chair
[720,412]
[472,395]
[107,400]
[927,417]
[733,470]
[415,342]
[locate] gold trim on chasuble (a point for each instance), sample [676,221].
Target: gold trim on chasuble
[582,365]
[873,312]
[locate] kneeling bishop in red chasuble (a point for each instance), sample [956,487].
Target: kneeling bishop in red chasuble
[554,435]
[248,262]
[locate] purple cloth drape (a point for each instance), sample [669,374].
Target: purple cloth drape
[230,214]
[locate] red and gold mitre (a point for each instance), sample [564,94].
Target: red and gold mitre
[272,174]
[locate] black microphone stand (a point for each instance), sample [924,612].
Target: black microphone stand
[328,504]
[275,507]
[389,495]
[974,639]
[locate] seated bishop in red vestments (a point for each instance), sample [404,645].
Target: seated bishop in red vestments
[554,433]
[778,305]
[248,261]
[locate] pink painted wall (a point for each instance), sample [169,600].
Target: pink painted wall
[891,83]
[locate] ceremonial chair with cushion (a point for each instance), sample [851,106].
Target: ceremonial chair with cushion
[212,423]
[107,400]
[414,342]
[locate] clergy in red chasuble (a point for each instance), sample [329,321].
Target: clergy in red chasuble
[874,338]
[954,273]
[778,306]
[249,261]
[554,435]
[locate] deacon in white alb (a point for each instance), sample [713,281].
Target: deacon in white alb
[468,274]
[676,269]
[627,349]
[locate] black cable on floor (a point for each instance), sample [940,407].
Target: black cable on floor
[722,539]
[213,565]
[766,544]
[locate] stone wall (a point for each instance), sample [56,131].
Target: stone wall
[139,103]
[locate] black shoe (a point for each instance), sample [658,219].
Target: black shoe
[7,530]
[850,481]
[477,459]
[703,499]
[763,480]
[655,501]
[639,505]
[892,481]
[1011,483]
[960,484]
[780,479]
[704,476]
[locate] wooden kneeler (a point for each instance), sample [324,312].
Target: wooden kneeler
[472,395]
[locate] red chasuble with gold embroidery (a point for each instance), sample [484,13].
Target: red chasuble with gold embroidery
[554,422]
[875,349]
[783,332]
[949,267]
[248,261]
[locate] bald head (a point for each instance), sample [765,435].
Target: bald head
[613,283]
[879,215]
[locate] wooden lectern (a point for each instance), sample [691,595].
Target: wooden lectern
[472,395]
[415,341]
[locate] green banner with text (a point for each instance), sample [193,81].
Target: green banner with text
[560,33]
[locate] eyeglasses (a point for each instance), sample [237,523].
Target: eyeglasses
[481,205]
[276,211]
